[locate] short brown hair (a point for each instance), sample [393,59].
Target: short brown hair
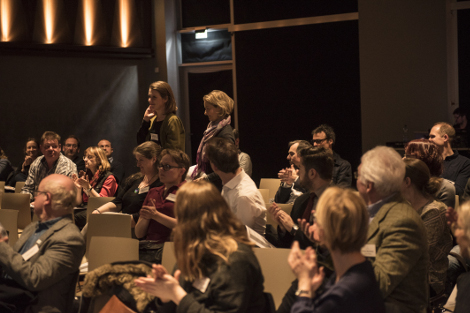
[320,159]
[223,153]
[446,129]
[50,135]
[344,218]
[166,93]
[179,157]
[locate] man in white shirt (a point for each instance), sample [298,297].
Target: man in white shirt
[239,190]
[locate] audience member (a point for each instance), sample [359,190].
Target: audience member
[5,166]
[418,189]
[290,188]
[316,169]
[52,162]
[456,166]
[341,222]
[31,152]
[325,137]
[217,269]
[396,241]
[131,196]
[243,158]
[117,168]
[160,123]
[218,107]
[97,181]
[45,259]
[462,234]
[239,190]
[157,217]
[428,152]
[71,149]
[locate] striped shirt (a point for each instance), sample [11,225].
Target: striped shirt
[38,170]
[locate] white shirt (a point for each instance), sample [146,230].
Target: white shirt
[246,202]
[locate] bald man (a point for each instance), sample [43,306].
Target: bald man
[45,259]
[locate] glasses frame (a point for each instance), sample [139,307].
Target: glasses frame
[167,167]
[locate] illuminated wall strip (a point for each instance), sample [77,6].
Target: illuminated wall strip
[89,13]
[6,12]
[125,19]
[49,20]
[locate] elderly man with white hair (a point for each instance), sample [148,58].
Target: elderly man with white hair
[396,241]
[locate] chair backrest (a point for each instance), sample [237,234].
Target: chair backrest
[269,218]
[9,221]
[168,256]
[277,273]
[110,225]
[2,186]
[96,202]
[265,194]
[104,250]
[19,202]
[19,185]
[457,203]
[270,183]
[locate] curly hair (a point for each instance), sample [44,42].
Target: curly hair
[428,152]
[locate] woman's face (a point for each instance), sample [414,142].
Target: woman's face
[32,149]
[170,175]
[146,165]
[212,112]
[462,239]
[156,102]
[92,162]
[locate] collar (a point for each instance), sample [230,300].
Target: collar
[236,180]
[375,207]
[110,159]
[320,190]
[44,162]
[47,224]
[453,156]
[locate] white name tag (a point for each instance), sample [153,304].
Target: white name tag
[144,190]
[171,197]
[201,284]
[369,250]
[29,254]
[154,137]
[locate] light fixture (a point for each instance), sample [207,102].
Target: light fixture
[201,33]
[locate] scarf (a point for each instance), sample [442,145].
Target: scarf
[213,129]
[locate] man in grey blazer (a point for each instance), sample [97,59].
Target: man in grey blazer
[396,241]
[45,260]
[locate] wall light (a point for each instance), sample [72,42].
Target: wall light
[201,34]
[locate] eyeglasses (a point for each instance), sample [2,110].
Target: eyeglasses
[317,141]
[89,157]
[38,192]
[69,145]
[167,167]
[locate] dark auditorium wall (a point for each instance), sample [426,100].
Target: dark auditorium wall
[91,98]
[292,79]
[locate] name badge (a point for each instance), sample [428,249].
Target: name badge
[171,197]
[154,137]
[201,284]
[144,190]
[29,254]
[369,250]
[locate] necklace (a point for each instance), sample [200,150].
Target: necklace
[143,186]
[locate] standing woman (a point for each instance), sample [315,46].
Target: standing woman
[418,189]
[131,196]
[218,107]
[160,123]
[97,181]
[217,269]
[31,152]
[157,218]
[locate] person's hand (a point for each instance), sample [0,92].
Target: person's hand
[27,161]
[451,216]
[95,212]
[284,219]
[305,268]
[273,210]
[149,211]
[83,182]
[165,287]
[75,181]
[149,113]
[289,175]
[306,228]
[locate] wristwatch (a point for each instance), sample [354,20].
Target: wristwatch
[294,230]
[300,292]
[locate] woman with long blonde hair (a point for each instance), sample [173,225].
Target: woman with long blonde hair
[217,269]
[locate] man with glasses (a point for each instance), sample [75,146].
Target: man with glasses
[52,162]
[241,193]
[324,136]
[43,264]
[71,149]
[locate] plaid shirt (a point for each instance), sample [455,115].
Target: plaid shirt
[38,171]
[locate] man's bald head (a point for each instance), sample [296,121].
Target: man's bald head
[59,194]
